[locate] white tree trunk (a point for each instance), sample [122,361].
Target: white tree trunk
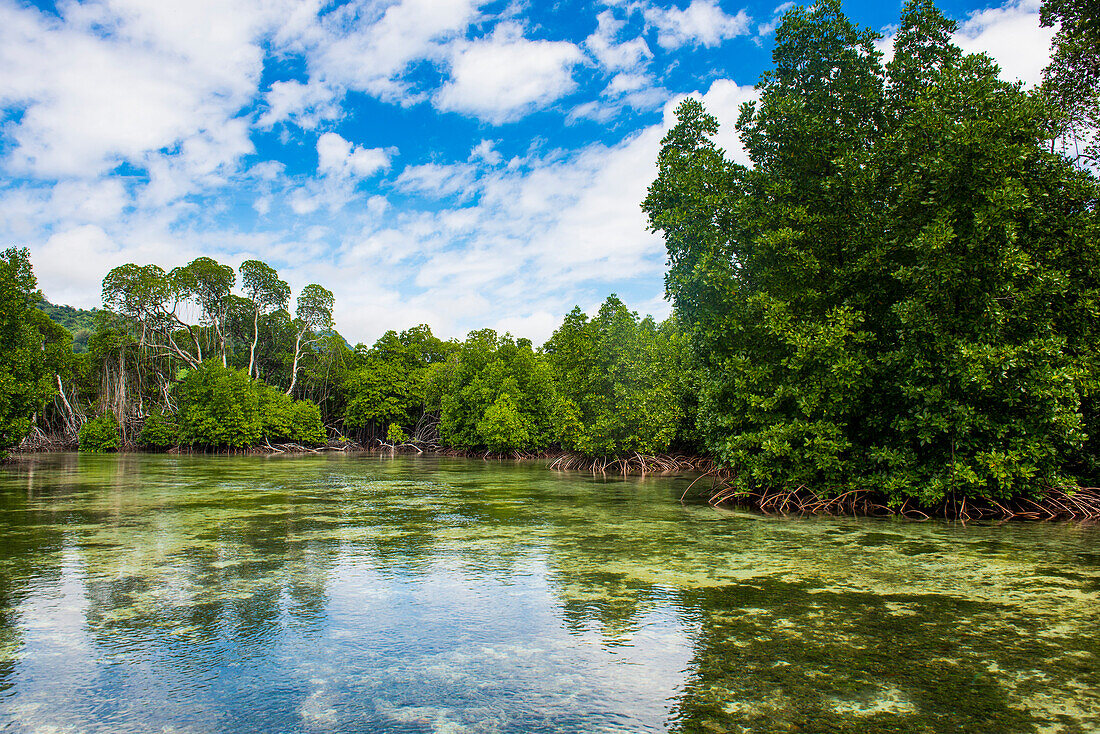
[255,338]
[294,369]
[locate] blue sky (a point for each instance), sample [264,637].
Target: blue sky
[455,162]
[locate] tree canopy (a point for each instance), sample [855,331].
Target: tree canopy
[893,296]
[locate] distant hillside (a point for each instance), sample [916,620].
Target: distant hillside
[79,322]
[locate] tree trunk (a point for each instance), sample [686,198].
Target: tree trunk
[294,369]
[255,338]
[71,422]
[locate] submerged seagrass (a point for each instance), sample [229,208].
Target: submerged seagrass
[365,594]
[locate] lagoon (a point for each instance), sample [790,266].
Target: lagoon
[362,593]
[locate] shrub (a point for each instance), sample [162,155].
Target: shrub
[218,408]
[306,425]
[100,435]
[276,412]
[159,432]
[395,434]
[502,428]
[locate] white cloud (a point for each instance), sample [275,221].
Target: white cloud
[702,23]
[724,100]
[437,180]
[338,157]
[504,76]
[306,104]
[1011,34]
[367,46]
[112,82]
[71,265]
[766,29]
[538,326]
[611,54]
[485,151]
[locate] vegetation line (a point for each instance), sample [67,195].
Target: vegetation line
[894,310]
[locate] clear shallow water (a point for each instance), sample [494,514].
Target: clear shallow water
[354,594]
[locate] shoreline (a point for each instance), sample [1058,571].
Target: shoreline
[1080,504]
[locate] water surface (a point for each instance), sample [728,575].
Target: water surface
[359,594]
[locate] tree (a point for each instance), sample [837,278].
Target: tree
[262,286]
[25,380]
[150,299]
[486,368]
[618,380]
[313,315]
[210,284]
[1071,83]
[892,297]
[390,385]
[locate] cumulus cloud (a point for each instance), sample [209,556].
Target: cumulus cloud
[1009,33]
[627,55]
[768,28]
[307,104]
[106,83]
[702,23]
[338,157]
[367,46]
[504,76]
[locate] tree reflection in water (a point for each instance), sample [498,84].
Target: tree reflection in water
[364,594]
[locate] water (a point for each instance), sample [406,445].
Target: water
[358,594]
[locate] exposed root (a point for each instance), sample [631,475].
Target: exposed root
[38,440]
[1082,503]
[634,464]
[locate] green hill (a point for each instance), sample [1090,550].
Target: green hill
[79,322]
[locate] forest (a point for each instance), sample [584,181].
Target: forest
[178,359]
[901,295]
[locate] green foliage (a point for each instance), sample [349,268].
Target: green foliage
[894,295]
[391,386]
[100,435]
[25,379]
[79,322]
[221,408]
[619,382]
[305,423]
[160,431]
[496,393]
[502,428]
[285,419]
[396,435]
[218,408]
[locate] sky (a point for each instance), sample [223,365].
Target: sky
[459,163]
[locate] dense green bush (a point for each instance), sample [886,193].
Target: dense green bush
[305,423]
[100,435]
[502,428]
[619,380]
[284,419]
[471,389]
[160,431]
[219,408]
